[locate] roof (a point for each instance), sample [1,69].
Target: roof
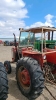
[39,29]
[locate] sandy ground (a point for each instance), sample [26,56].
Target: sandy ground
[14,93]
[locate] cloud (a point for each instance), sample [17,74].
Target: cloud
[49,18]
[2,24]
[12,14]
[48,22]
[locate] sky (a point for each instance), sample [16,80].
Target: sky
[15,14]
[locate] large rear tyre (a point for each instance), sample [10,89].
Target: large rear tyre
[7,67]
[29,77]
[3,83]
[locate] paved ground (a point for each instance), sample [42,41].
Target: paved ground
[14,93]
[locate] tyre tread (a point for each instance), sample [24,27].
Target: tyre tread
[37,80]
[3,83]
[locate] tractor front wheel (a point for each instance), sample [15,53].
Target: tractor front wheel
[7,67]
[29,77]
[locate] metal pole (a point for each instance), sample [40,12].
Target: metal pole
[42,41]
[52,36]
[29,38]
[49,35]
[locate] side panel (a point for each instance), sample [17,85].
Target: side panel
[51,57]
[35,55]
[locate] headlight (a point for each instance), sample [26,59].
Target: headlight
[44,57]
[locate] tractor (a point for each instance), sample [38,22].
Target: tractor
[33,65]
[3,83]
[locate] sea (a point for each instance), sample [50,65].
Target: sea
[8,39]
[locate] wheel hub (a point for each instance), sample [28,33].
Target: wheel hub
[6,66]
[25,78]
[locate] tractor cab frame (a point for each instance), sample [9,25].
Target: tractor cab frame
[27,50]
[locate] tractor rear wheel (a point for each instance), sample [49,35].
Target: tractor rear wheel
[3,83]
[29,77]
[7,66]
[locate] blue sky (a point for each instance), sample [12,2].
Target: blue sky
[38,9]
[25,13]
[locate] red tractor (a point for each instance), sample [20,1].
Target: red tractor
[33,66]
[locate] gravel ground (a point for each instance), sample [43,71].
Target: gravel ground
[14,93]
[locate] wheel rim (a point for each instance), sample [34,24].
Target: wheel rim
[6,67]
[24,78]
